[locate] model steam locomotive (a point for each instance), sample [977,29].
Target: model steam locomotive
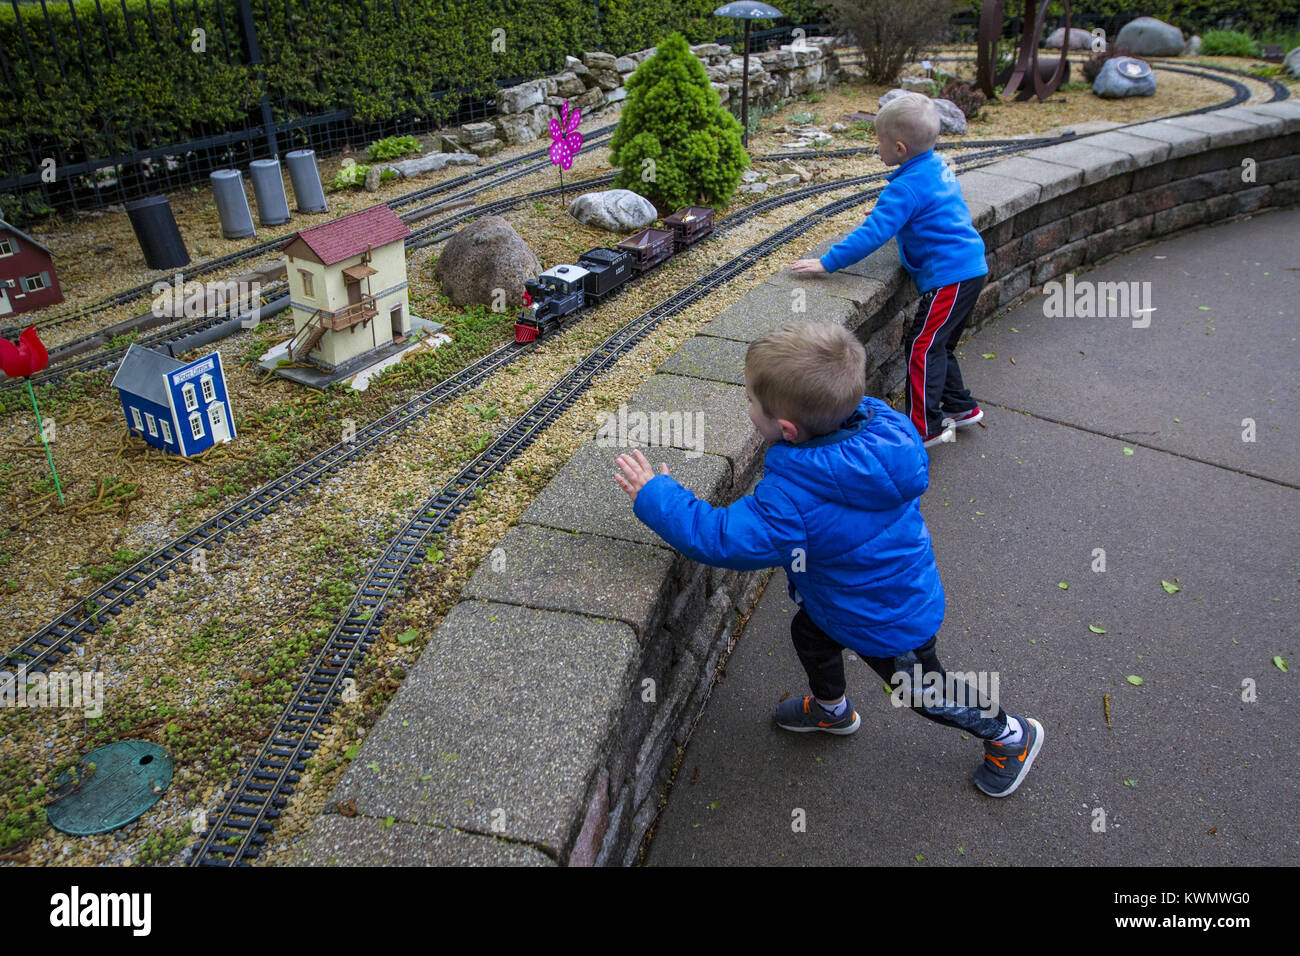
[551,298]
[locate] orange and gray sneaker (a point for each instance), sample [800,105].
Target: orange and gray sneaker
[804,716]
[1005,766]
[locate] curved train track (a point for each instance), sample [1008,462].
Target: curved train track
[241,827]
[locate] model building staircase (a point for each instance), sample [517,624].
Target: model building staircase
[305,339]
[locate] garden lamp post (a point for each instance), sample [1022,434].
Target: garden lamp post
[746,10]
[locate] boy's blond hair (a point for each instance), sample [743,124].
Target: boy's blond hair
[811,373]
[913,119]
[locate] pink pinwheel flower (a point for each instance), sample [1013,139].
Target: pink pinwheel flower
[565,138]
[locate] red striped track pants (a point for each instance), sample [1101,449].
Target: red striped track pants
[934,385]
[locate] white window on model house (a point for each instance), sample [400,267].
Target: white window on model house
[6,247]
[191,401]
[152,423]
[166,430]
[209,393]
[37,282]
[196,425]
[136,420]
[308,289]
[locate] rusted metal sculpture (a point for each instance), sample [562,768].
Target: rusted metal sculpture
[1026,60]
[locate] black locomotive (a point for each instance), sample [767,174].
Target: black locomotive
[562,290]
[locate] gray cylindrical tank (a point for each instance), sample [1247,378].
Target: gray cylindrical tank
[305,176]
[232,204]
[156,231]
[268,190]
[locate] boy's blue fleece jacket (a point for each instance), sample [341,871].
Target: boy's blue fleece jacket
[923,206]
[840,514]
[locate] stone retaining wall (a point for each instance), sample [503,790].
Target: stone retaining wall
[540,724]
[595,81]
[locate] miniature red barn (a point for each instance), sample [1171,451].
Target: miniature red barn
[347,287]
[27,278]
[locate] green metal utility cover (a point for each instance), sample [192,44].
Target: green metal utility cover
[128,779]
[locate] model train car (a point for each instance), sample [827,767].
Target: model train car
[562,290]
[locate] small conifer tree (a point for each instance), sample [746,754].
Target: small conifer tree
[675,143]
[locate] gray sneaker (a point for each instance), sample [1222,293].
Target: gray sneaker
[804,716]
[1004,767]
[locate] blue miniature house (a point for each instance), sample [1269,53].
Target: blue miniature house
[178,407]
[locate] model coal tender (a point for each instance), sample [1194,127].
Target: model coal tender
[559,292]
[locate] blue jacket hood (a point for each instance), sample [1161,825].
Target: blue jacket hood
[873,462]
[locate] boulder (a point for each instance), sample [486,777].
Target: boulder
[626,64]
[749,176]
[756,188]
[917,84]
[448,144]
[1079,39]
[568,84]
[786,180]
[486,148]
[618,210]
[951,118]
[709,49]
[432,163]
[891,96]
[573,65]
[788,167]
[517,128]
[607,79]
[1123,76]
[599,61]
[614,96]
[1291,64]
[461,159]
[589,100]
[373,181]
[477,132]
[1147,36]
[1193,47]
[516,99]
[485,256]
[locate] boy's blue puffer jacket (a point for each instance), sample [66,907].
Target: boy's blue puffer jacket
[923,206]
[840,514]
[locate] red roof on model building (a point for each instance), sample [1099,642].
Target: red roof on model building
[352,234]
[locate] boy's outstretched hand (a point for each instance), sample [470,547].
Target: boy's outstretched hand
[636,472]
[808,265]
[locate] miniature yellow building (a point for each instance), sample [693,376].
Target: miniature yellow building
[347,287]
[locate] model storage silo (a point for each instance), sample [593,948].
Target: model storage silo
[268,190]
[232,204]
[156,231]
[305,176]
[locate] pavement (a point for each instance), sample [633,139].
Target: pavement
[1099,435]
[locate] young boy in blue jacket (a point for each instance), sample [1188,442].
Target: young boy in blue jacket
[938,245]
[837,507]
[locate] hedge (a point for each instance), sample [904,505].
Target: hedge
[376,59]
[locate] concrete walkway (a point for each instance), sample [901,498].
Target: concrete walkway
[1187,772]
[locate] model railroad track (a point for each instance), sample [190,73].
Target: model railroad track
[420,237]
[45,647]
[514,169]
[239,831]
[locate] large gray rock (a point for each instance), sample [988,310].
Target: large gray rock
[1079,39]
[568,84]
[1292,62]
[893,95]
[432,163]
[485,256]
[1147,36]
[1193,47]
[597,60]
[951,118]
[626,64]
[477,133]
[525,127]
[1123,76]
[516,99]
[618,210]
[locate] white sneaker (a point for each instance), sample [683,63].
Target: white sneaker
[948,434]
